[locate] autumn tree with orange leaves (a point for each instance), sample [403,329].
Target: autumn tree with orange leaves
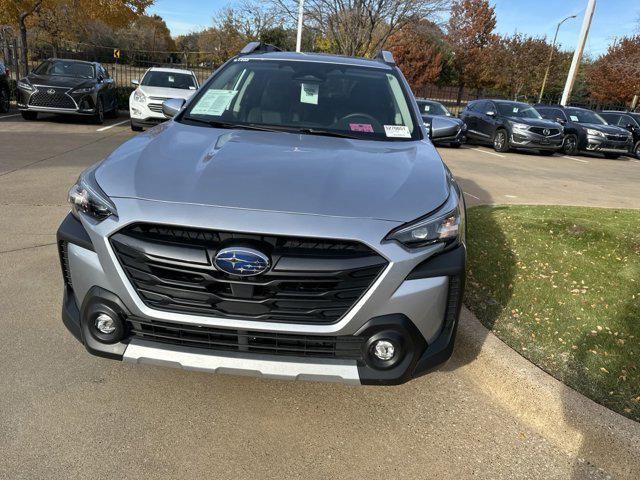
[470,32]
[66,14]
[615,76]
[418,52]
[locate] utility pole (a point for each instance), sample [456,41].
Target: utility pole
[577,55]
[553,46]
[300,15]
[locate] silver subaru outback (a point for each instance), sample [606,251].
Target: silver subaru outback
[292,220]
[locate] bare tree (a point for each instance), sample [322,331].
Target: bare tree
[360,27]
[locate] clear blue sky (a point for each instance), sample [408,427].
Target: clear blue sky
[613,18]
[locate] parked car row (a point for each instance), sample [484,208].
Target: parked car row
[77,87]
[547,129]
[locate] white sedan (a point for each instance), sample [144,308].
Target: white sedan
[157,85]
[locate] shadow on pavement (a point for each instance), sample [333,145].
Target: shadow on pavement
[480,261]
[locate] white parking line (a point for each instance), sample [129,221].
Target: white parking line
[12,115]
[511,196]
[111,126]
[576,159]
[467,193]
[488,152]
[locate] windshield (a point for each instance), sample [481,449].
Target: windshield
[584,116]
[519,110]
[65,68]
[183,81]
[432,108]
[307,97]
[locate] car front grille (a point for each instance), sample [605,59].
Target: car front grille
[540,131]
[155,107]
[59,99]
[312,281]
[213,338]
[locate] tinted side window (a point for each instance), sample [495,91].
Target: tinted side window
[624,121]
[472,106]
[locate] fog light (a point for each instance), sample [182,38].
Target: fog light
[105,324]
[384,350]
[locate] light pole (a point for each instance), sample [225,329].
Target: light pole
[300,15]
[553,45]
[577,54]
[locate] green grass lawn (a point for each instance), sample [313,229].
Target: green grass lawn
[561,285]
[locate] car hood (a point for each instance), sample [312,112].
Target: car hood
[535,122]
[166,92]
[612,129]
[277,171]
[60,81]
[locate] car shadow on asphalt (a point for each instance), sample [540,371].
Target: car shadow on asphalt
[481,259]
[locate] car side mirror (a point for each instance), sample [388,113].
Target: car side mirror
[630,127]
[100,78]
[561,121]
[135,82]
[491,113]
[172,106]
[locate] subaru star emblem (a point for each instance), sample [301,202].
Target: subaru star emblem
[241,261]
[546,132]
[51,91]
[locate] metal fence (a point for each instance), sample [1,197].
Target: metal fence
[131,65]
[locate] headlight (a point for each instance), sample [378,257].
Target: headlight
[597,133]
[520,126]
[83,90]
[138,96]
[24,85]
[446,225]
[87,197]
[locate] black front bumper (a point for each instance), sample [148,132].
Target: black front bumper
[417,356]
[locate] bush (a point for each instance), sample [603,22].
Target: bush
[123,94]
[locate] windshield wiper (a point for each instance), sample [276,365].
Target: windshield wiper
[327,133]
[231,125]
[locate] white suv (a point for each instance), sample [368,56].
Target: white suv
[157,85]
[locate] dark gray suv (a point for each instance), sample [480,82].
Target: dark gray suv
[282,224]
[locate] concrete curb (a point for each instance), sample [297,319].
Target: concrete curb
[566,418]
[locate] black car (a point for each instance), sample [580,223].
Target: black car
[506,124]
[5,89]
[586,131]
[68,86]
[630,121]
[443,126]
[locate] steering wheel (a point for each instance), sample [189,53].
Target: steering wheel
[353,116]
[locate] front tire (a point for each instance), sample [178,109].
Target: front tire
[136,128]
[501,141]
[98,117]
[27,115]
[4,101]
[636,150]
[570,145]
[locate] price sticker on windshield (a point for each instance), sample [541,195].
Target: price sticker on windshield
[213,102]
[573,118]
[309,93]
[397,131]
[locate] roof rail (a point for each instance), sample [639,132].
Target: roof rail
[385,56]
[258,47]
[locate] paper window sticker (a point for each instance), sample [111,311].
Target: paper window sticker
[214,102]
[361,127]
[309,93]
[397,131]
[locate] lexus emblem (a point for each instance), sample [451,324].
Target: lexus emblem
[51,91]
[546,132]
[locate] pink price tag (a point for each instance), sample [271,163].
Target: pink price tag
[361,127]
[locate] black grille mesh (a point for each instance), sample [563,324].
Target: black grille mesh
[57,100]
[540,131]
[312,281]
[344,347]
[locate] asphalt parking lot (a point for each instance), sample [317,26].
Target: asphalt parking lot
[66,414]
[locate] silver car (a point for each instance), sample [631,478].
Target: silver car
[292,220]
